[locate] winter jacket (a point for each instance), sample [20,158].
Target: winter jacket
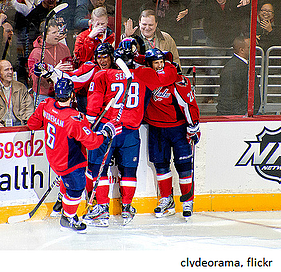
[233,94]
[166,43]
[84,49]
[21,100]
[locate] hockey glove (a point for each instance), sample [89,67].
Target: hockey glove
[129,44]
[168,56]
[43,69]
[111,129]
[193,134]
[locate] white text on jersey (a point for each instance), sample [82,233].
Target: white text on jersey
[122,76]
[53,119]
[158,95]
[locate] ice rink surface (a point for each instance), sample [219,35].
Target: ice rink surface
[148,243]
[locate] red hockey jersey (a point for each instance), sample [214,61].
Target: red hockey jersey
[81,77]
[173,105]
[112,83]
[67,133]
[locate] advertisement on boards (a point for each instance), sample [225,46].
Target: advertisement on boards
[24,170]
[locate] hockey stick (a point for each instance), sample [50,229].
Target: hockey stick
[23,217]
[7,44]
[187,196]
[128,75]
[110,103]
[48,18]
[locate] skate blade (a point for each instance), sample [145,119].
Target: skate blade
[96,223]
[187,218]
[127,220]
[55,214]
[69,230]
[168,212]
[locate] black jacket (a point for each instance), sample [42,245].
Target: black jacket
[233,93]
[221,26]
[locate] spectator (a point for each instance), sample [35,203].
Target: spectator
[88,40]
[223,21]
[83,14]
[268,32]
[16,104]
[8,44]
[22,34]
[3,17]
[54,53]
[26,6]
[149,35]
[27,19]
[277,10]
[7,40]
[67,14]
[167,11]
[36,16]
[233,94]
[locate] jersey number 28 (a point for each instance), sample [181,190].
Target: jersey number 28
[133,94]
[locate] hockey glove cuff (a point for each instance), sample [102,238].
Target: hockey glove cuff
[193,133]
[43,69]
[111,129]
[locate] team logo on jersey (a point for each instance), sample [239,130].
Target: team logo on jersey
[160,93]
[264,154]
[183,82]
[79,117]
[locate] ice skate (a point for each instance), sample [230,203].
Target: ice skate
[187,209]
[57,208]
[166,207]
[72,224]
[98,216]
[128,213]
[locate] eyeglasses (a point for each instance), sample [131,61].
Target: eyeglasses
[267,11]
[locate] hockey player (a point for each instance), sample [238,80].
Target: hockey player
[82,78]
[108,84]
[173,118]
[67,133]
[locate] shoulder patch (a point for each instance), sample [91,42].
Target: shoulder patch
[79,117]
[183,82]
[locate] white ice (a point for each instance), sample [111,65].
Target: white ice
[147,241]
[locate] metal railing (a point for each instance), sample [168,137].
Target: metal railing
[208,62]
[272,81]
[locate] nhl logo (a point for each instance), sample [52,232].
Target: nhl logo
[264,154]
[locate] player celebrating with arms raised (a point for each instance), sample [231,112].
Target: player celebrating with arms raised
[67,133]
[173,118]
[108,84]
